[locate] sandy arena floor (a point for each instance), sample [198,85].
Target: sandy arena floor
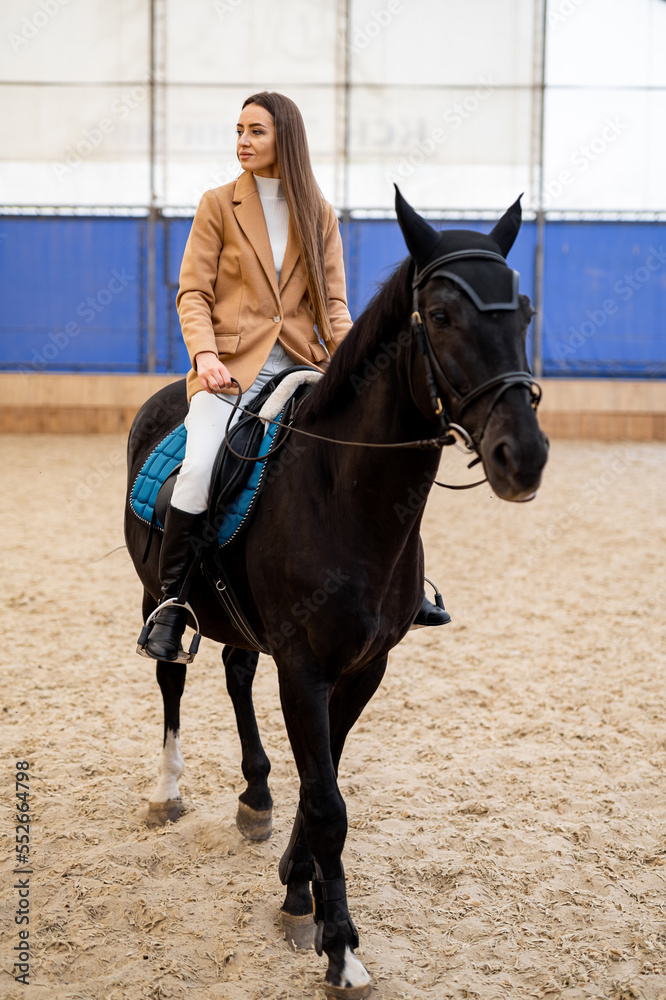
[505,786]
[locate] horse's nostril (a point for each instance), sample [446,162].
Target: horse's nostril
[502,457]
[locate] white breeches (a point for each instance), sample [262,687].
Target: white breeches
[206,423]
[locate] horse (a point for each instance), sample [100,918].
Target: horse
[330,571]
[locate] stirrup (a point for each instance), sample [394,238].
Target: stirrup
[439,603]
[439,600]
[182,656]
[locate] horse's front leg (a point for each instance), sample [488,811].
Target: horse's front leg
[305,704]
[255,805]
[165,802]
[348,700]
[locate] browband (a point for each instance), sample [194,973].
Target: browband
[457,255]
[437,269]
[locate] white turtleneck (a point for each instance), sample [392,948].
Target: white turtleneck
[276,214]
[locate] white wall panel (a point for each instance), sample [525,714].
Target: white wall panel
[441,94]
[259,44]
[605,150]
[75,40]
[607,43]
[444,43]
[75,145]
[453,148]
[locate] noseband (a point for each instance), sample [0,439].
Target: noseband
[437,382]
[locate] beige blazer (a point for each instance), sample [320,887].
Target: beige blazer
[229,299]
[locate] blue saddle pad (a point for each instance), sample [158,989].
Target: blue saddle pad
[168,454]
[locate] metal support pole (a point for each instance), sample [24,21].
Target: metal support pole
[537,337]
[152,211]
[343,98]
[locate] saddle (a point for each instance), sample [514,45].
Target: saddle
[238,473]
[238,478]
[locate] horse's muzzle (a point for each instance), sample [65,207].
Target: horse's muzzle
[515,465]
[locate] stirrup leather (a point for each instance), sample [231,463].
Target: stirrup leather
[183,656]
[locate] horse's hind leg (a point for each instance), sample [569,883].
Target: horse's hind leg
[296,872]
[255,805]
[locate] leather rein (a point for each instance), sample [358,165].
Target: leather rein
[437,384]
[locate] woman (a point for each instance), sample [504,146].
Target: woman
[262,287]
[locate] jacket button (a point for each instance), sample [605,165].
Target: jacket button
[276,319]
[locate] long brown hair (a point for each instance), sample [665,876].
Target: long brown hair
[304,199]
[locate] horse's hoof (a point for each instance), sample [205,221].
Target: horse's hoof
[255,824]
[161,812]
[299,932]
[365,992]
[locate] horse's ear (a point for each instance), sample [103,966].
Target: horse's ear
[421,238]
[506,230]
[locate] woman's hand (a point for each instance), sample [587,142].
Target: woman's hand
[213,375]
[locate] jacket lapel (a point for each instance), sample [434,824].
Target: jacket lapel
[251,219]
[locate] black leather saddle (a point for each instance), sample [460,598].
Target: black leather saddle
[230,473]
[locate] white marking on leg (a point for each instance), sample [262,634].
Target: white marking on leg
[170,770]
[354,973]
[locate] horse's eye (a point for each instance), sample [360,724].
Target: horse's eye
[439,317]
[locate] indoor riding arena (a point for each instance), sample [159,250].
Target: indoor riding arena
[504,787]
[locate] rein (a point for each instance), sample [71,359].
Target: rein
[437,384]
[424,444]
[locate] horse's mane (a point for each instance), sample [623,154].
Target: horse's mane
[381,320]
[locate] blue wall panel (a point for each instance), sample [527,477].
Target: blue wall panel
[71,294]
[605,299]
[177,232]
[74,292]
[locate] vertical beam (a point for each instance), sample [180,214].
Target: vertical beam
[343,105]
[156,162]
[152,330]
[540,22]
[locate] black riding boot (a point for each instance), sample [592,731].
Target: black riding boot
[432,614]
[179,550]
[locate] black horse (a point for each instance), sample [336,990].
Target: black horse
[330,574]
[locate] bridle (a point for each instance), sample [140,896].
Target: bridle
[437,382]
